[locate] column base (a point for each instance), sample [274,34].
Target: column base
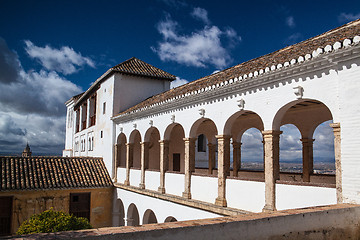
[268,208]
[142,185]
[161,190]
[126,183]
[186,195]
[221,202]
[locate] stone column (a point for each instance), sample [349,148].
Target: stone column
[307,158]
[211,148]
[337,150]
[223,163]
[271,149]
[236,158]
[116,159]
[129,161]
[144,162]
[164,163]
[189,163]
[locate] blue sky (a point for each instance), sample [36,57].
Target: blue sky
[51,50]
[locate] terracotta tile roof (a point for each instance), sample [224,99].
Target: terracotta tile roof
[286,54]
[135,66]
[132,66]
[36,173]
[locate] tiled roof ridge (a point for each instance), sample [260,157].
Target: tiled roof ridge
[139,67]
[50,173]
[328,42]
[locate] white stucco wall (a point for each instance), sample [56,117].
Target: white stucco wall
[162,209]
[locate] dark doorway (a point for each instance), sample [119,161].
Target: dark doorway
[176,162]
[5,215]
[80,205]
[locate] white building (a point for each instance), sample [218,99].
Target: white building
[152,138]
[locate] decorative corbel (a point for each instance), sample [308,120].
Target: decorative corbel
[241,104]
[298,91]
[202,112]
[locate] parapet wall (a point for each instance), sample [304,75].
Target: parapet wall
[330,222]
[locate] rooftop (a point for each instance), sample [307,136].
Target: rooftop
[294,54]
[41,173]
[132,66]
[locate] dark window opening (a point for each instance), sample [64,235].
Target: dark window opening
[5,215]
[80,205]
[201,144]
[176,162]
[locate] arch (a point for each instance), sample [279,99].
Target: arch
[204,126]
[152,136]
[135,139]
[149,217]
[121,151]
[118,214]
[244,118]
[175,134]
[132,215]
[293,112]
[170,219]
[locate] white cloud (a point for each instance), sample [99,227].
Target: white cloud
[290,22]
[178,82]
[32,108]
[198,49]
[64,60]
[347,17]
[201,14]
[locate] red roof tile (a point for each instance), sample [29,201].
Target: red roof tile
[35,173]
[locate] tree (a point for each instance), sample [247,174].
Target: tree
[52,221]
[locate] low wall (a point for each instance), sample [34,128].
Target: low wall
[330,222]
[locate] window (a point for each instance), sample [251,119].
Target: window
[101,134]
[80,205]
[201,144]
[89,143]
[104,107]
[6,204]
[176,162]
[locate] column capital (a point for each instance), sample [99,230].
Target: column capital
[222,136]
[336,127]
[164,141]
[144,143]
[129,144]
[236,144]
[307,140]
[189,139]
[269,133]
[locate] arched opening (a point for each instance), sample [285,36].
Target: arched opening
[152,136]
[135,139]
[290,151]
[170,219]
[246,153]
[252,151]
[305,115]
[132,216]
[323,154]
[121,151]
[149,217]
[175,135]
[118,214]
[204,131]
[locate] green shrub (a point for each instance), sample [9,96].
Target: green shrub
[52,221]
